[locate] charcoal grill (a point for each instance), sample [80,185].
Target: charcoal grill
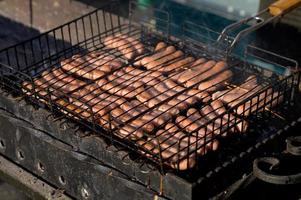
[121,158]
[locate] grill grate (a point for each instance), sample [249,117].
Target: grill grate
[161,132]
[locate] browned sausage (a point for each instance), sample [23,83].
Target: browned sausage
[129,77]
[101,60]
[174,130]
[48,79]
[216,82]
[130,132]
[219,122]
[81,68]
[121,45]
[267,99]
[139,47]
[240,124]
[193,73]
[201,95]
[178,154]
[116,89]
[161,62]
[163,96]
[122,115]
[148,61]
[133,86]
[249,87]
[162,87]
[201,120]
[180,64]
[216,69]
[160,46]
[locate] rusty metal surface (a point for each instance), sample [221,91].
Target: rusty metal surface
[32,186]
[80,175]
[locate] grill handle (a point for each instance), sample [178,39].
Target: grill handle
[276,10]
[281,7]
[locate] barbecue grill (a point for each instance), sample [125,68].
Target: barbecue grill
[150,158]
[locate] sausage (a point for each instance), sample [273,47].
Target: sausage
[102,61]
[215,70]
[178,154]
[122,115]
[160,46]
[35,89]
[198,70]
[169,154]
[267,99]
[240,124]
[216,82]
[197,118]
[162,87]
[219,122]
[180,64]
[139,47]
[149,60]
[174,130]
[73,108]
[247,88]
[148,77]
[121,45]
[116,89]
[168,59]
[152,102]
[194,68]
[201,95]
[133,109]
[131,85]
[48,79]
[82,69]
[128,131]
[163,97]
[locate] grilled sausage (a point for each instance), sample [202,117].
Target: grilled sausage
[242,91]
[148,61]
[130,132]
[177,134]
[179,154]
[201,95]
[212,127]
[180,64]
[168,59]
[149,78]
[160,46]
[116,89]
[48,79]
[198,69]
[122,115]
[121,45]
[215,70]
[163,97]
[266,99]
[162,87]
[240,124]
[81,68]
[216,82]
[139,47]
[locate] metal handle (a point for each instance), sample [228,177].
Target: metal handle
[277,10]
[282,7]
